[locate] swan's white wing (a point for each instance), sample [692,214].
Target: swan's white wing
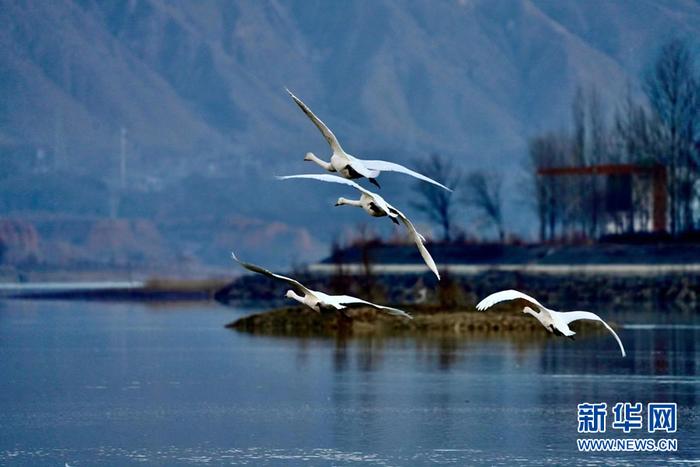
[378,200]
[383,205]
[329,178]
[348,300]
[384,166]
[418,239]
[570,316]
[252,267]
[360,167]
[327,133]
[504,296]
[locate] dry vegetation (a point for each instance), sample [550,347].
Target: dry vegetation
[428,320]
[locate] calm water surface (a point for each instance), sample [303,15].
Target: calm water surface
[129,384]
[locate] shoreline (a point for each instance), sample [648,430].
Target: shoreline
[566,289]
[563,291]
[554,269]
[149,290]
[427,320]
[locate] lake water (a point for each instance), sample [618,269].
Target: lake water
[88,383]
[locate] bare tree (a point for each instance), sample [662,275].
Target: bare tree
[572,204]
[666,132]
[551,193]
[538,152]
[672,87]
[438,204]
[589,147]
[578,156]
[598,152]
[636,136]
[483,193]
[637,133]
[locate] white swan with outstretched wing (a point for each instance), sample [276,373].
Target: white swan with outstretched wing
[503,296]
[349,166]
[316,300]
[553,321]
[375,206]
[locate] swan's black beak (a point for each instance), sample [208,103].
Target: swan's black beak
[374,181]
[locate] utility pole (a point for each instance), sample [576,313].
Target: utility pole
[122,159]
[58,139]
[116,192]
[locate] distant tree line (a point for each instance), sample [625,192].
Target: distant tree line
[663,129]
[479,192]
[657,128]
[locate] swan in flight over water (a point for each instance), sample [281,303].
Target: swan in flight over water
[554,321]
[376,206]
[316,300]
[349,166]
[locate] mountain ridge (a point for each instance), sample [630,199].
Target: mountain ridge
[199,86]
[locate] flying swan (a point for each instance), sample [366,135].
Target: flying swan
[376,206]
[554,321]
[348,166]
[316,300]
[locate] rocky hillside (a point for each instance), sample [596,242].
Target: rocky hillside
[198,88]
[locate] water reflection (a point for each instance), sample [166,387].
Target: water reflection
[453,384]
[340,354]
[657,350]
[93,384]
[431,353]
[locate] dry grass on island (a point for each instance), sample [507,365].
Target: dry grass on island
[428,320]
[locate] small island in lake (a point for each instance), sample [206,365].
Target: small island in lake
[427,320]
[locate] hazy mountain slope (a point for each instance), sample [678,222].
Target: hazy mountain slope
[627,30]
[68,75]
[199,87]
[206,78]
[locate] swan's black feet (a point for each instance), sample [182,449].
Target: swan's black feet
[374,181]
[571,337]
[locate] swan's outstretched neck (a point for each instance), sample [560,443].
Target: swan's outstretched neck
[291,294]
[310,156]
[350,202]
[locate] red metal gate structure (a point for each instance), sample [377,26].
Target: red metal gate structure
[656,172]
